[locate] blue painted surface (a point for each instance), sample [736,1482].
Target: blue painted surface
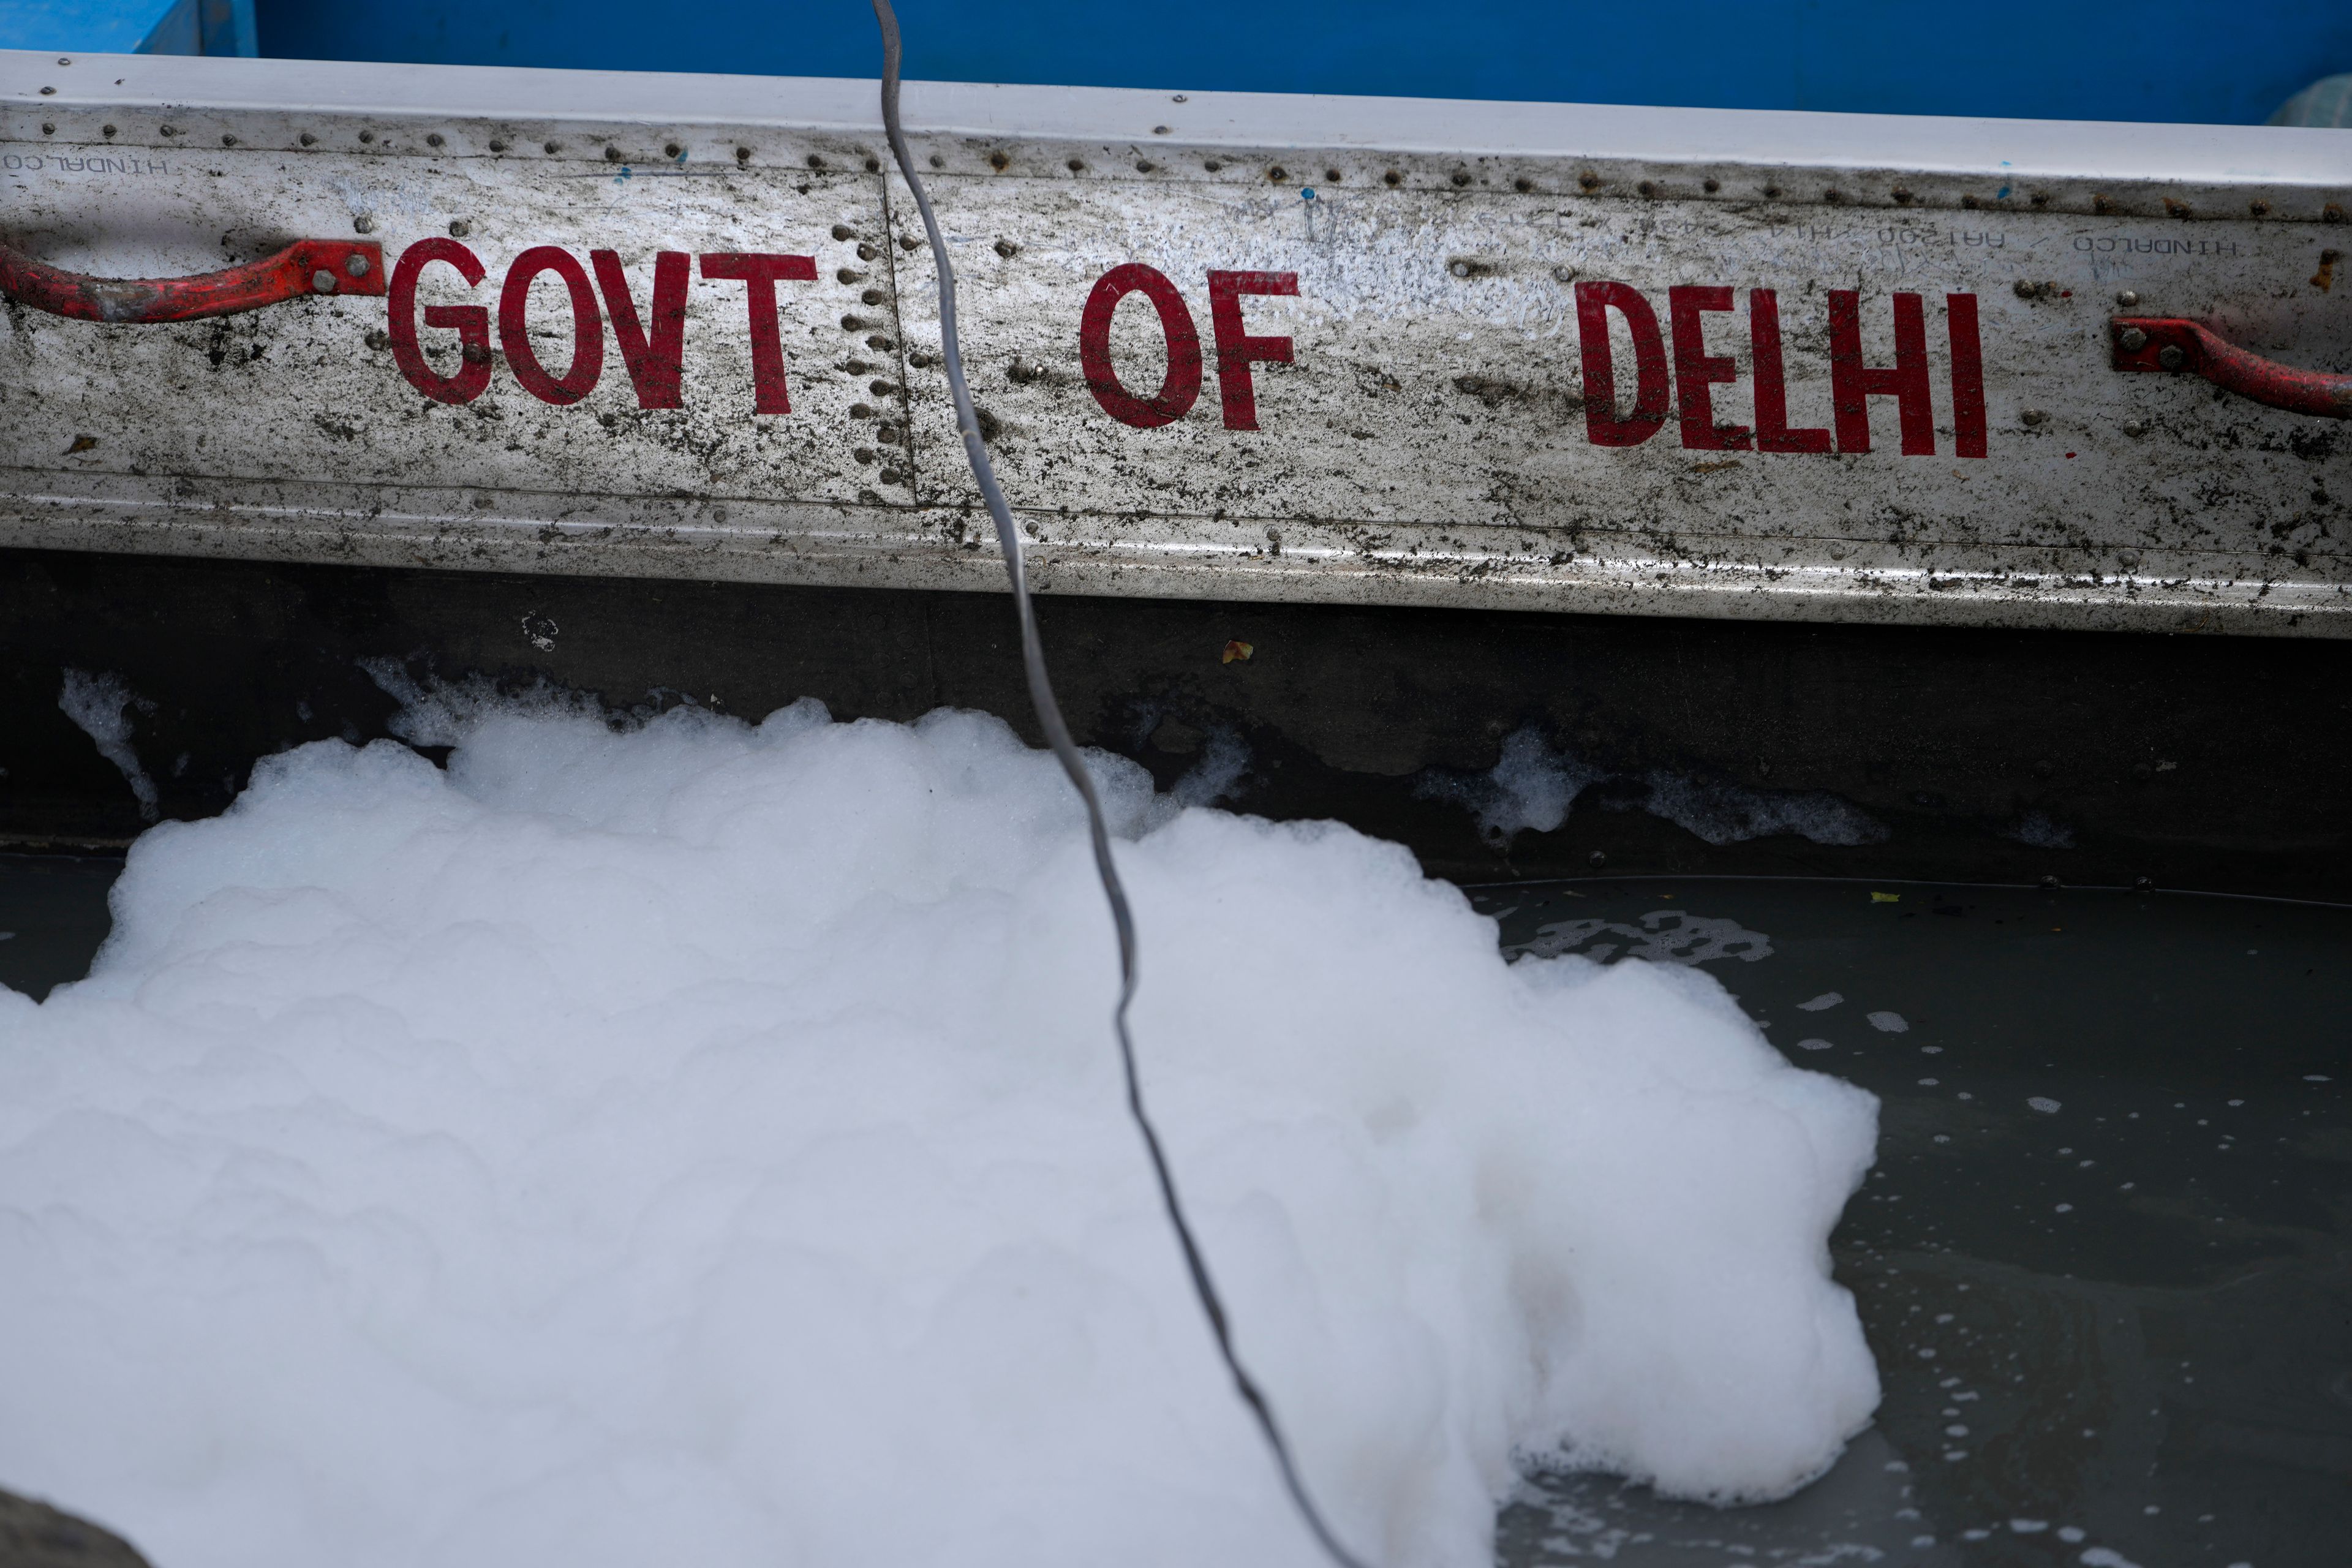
[2215,62]
[130,26]
[80,26]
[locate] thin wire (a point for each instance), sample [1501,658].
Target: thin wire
[1058,735]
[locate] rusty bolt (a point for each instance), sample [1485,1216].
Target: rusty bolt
[433,138]
[367,135]
[742,154]
[850,275]
[1159,131]
[1523,184]
[306,138]
[228,140]
[106,129]
[999,162]
[875,297]
[860,411]
[379,339]
[1393,178]
[1901,197]
[1077,166]
[1832,195]
[1332,176]
[612,153]
[48,129]
[815,162]
[2133,340]
[1212,164]
[908,242]
[1647,187]
[1277,174]
[843,231]
[2171,357]
[1772,192]
[2259,207]
[2127,297]
[867,252]
[854,323]
[322,281]
[2022,290]
[2034,417]
[2332,212]
[1144,165]
[2102,204]
[48,91]
[497,144]
[1597,859]
[882,389]
[937,161]
[879,344]
[2134,429]
[459,228]
[873,165]
[864,454]
[356,265]
[2127,559]
[364,224]
[1710,185]
[1461,177]
[549,146]
[672,150]
[1007,250]
[2040,198]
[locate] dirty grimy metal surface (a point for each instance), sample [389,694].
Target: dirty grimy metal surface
[1227,345]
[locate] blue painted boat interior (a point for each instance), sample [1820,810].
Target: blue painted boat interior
[2208,61]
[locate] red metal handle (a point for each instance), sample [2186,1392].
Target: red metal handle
[2172,346]
[306,267]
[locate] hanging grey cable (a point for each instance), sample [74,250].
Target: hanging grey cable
[1058,735]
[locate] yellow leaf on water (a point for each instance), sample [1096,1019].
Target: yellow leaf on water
[1236,649]
[1886,898]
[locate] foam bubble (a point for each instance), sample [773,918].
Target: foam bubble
[100,707]
[1530,787]
[696,1142]
[1721,812]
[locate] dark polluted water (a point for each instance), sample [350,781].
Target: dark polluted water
[2104,1260]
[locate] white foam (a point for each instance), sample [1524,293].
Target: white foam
[1721,812]
[1822,1003]
[1534,783]
[1887,1023]
[2036,830]
[702,1144]
[98,705]
[1530,787]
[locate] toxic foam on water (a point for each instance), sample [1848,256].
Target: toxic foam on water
[700,1142]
